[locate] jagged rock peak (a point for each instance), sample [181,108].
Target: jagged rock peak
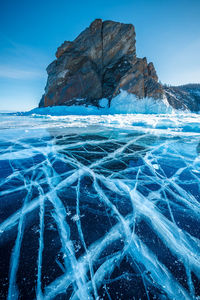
[98,64]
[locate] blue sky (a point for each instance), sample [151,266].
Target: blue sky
[167,33]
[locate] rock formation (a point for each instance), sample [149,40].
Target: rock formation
[184,97]
[100,62]
[97,64]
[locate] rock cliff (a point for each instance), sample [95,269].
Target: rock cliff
[184,97]
[97,64]
[100,62]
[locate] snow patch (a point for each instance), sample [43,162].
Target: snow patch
[62,74]
[124,103]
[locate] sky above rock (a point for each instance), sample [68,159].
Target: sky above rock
[167,33]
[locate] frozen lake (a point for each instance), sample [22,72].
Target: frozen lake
[100,207]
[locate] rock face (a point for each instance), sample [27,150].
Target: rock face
[100,62]
[97,64]
[184,97]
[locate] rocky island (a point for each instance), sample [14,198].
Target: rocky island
[100,63]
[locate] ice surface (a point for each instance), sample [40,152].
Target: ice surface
[100,207]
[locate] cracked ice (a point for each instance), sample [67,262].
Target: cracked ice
[100,207]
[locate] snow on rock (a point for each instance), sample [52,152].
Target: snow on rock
[122,104]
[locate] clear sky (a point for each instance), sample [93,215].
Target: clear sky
[167,33]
